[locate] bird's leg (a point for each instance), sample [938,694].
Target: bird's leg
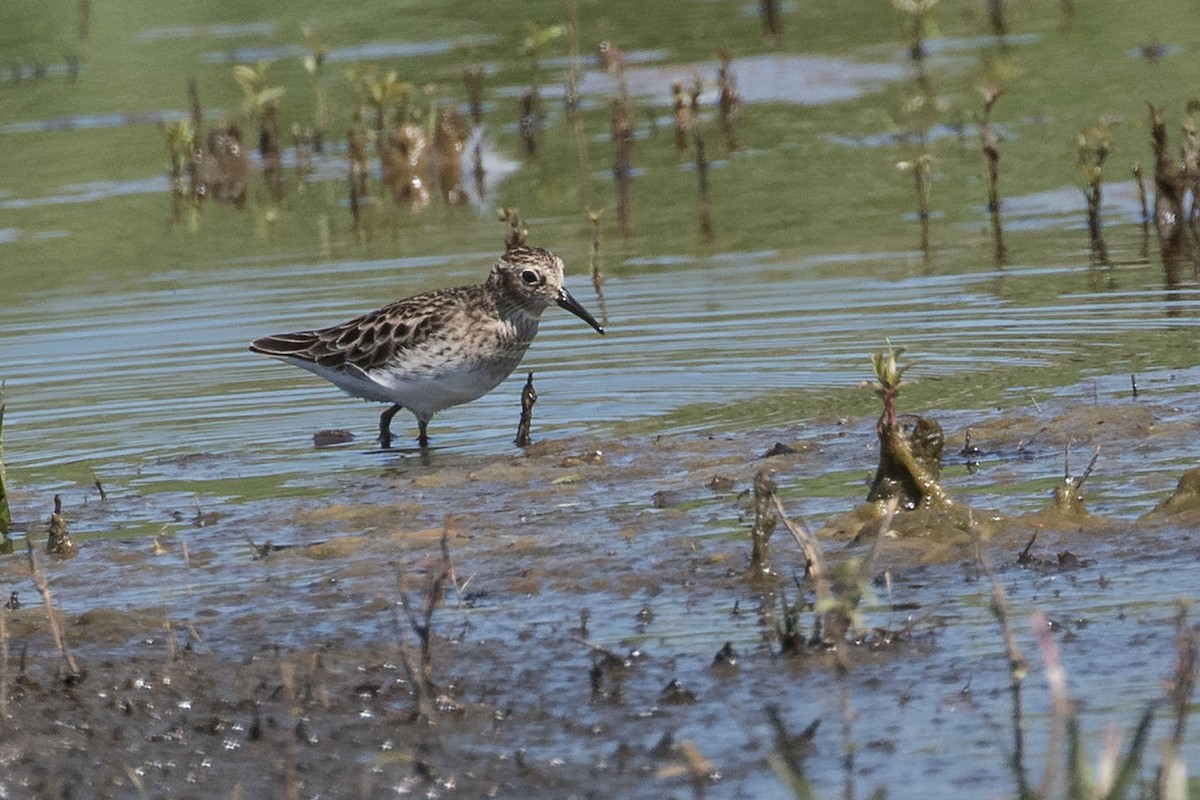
[385,426]
[422,434]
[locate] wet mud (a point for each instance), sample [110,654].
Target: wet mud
[601,628]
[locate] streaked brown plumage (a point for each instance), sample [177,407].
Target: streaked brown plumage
[439,349]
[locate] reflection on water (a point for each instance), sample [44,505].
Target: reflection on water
[370,51]
[682,331]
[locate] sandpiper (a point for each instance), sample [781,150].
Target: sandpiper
[437,349]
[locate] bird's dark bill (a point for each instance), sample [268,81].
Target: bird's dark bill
[571,304]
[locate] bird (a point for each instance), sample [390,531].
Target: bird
[439,349]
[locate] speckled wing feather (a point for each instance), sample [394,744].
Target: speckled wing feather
[368,342]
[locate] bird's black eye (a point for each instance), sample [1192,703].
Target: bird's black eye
[530,277]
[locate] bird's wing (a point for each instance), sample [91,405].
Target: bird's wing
[364,343]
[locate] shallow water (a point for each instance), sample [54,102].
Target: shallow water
[125,362]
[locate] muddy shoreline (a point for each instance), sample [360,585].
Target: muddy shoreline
[604,623]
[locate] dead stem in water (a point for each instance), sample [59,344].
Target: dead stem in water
[594,263]
[1068,495]
[574,70]
[528,398]
[622,139]
[472,78]
[772,21]
[991,155]
[1018,668]
[730,99]
[43,587]
[1175,218]
[3,670]
[1141,190]
[1093,148]
[706,226]
[420,622]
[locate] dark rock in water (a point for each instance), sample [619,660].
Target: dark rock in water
[330,438]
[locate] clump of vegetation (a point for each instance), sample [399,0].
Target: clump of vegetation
[58,538]
[839,589]
[910,448]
